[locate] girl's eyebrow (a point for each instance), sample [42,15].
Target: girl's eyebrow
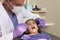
[28,23]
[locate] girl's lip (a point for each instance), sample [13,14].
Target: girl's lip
[33,27]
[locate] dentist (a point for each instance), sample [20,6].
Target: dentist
[8,20]
[20,11]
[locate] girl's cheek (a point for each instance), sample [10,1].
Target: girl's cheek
[29,25]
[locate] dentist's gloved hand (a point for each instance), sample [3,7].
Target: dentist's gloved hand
[40,22]
[20,29]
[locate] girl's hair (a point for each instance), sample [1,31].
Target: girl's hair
[27,32]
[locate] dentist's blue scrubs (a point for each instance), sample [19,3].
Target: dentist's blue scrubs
[13,19]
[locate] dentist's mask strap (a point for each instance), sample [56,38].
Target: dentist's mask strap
[10,4]
[12,7]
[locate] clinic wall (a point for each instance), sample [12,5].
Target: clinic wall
[53,7]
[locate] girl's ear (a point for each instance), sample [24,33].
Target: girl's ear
[38,26]
[39,29]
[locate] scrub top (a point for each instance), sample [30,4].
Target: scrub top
[14,19]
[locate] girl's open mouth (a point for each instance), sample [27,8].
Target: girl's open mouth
[33,27]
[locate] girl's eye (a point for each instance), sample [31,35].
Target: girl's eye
[33,23]
[28,24]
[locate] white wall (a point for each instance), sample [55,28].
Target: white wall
[53,7]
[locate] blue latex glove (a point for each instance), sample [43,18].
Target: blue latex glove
[20,29]
[40,22]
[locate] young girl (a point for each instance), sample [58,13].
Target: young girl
[33,32]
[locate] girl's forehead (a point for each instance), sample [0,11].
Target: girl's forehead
[29,21]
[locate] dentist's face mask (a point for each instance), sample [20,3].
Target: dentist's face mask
[18,9]
[15,7]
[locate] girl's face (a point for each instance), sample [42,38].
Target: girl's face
[32,27]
